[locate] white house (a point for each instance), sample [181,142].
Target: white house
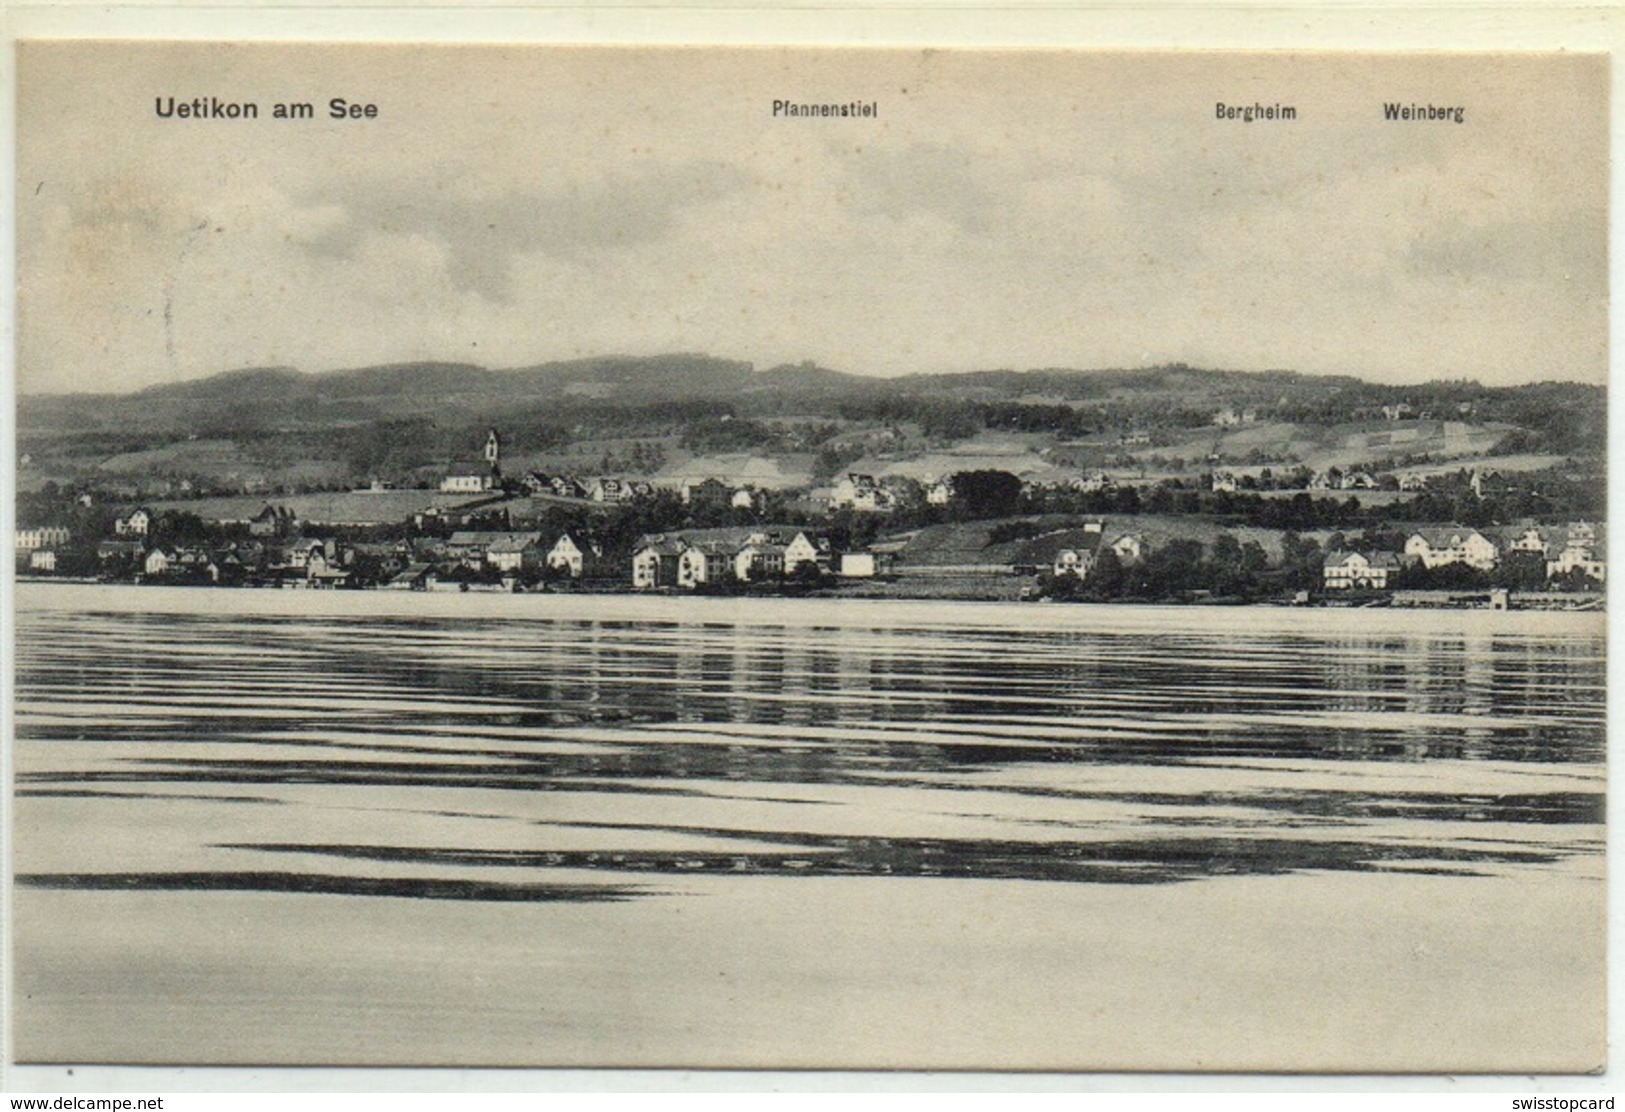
[1224,481]
[940,493]
[706,562]
[1074,561]
[135,525]
[803,549]
[1580,549]
[860,492]
[568,555]
[1079,558]
[514,552]
[758,561]
[607,490]
[1525,538]
[1589,557]
[1342,571]
[1129,547]
[655,562]
[1452,544]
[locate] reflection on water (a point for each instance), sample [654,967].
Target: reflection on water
[458,757]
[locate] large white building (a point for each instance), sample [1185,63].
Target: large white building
[43,536]
[1452,544]
[1343,571]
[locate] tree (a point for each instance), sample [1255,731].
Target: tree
[979,494]
[1106,578]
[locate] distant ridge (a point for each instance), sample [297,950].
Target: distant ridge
[691,376]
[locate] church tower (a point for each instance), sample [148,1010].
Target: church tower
[493,453]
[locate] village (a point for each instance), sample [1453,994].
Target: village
[485,531]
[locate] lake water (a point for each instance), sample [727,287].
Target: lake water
[289,827]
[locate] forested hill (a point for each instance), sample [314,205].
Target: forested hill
[417,414]
[427,389]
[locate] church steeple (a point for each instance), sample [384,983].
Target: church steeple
[493,452]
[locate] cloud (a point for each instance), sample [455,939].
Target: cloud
[484,234]
[1567,249]
[921,179]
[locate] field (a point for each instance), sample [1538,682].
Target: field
[965,544]
[341,508]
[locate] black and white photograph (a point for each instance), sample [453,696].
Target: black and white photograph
[809,558]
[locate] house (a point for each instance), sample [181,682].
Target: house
[177,563]
[1224,481]
[308,554]
[861,564]
[1078,558]
[1135,439]
[1358,480]
[803,549]
[1093,482]
[1343,571]
[725,555]
[273,521]
[758,561]
[515,552]
[607,490]
[44,536]
[1397,412]
[1453,544]
[746,499]
[1413,482]
[135,524]
[572,556]
[1321,480]
[108,552]
[1525,538]
[158,561]
[1130,548]
[568,486]
[940,493]
[862,493]
[42,559]
[534,482]
[654,562]
[1580,554]
[1581,532]
[706,561]
[705,492]
[470,546]
[415,577]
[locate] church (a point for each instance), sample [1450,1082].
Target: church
[477,478]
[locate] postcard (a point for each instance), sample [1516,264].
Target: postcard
[810,558]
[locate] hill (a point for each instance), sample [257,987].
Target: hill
[279,426]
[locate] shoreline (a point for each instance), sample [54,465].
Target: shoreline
[626,608]
[887,590]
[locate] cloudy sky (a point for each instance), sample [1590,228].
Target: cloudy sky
[513,206]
